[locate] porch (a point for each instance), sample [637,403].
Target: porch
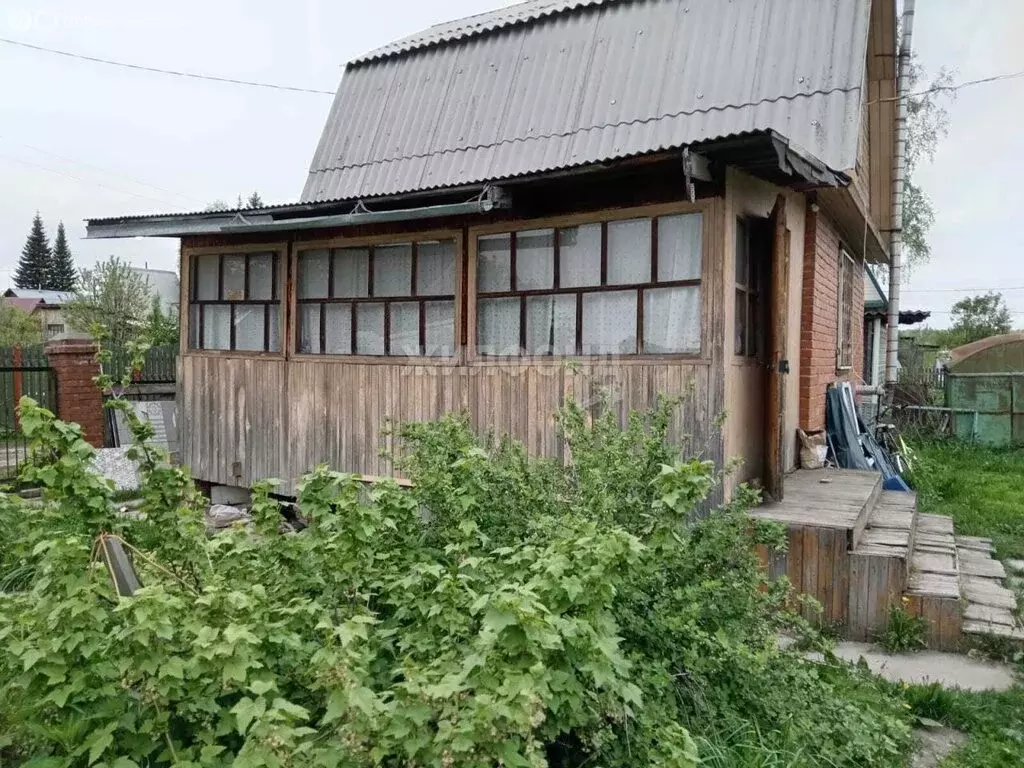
[858,550]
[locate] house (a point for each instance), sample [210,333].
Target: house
[876,320]
[674,195]
[46,306]
[164,286]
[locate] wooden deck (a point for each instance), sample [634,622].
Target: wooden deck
[826,498]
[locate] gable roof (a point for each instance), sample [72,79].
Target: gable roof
[554,84]
[52,298]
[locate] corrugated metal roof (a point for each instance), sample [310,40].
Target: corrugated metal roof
[476,25]
[590,82]
[47,297]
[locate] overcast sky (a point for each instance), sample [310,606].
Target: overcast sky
[79,139]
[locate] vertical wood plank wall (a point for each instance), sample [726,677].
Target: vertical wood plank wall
[247,419]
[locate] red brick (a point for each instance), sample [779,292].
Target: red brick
[820,320]
[78,399]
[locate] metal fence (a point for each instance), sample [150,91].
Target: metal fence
[160,366]
[24,371]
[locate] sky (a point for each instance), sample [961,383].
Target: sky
[80,139]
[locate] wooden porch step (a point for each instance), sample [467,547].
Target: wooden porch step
[976,563]
[975,542]
[939,585]
[993,629]
[987,592]
[939,524]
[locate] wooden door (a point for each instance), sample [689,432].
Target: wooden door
[778,364]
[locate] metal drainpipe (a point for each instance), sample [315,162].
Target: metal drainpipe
[896,241]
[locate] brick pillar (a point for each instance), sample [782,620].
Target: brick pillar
[78,398]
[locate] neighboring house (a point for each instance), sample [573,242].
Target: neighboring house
[163,283]
[876,321]
[673,195]
[46,306]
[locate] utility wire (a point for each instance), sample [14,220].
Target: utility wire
[962,290]
[141,68]
[955,87]
[104,170]
[297,89]
[90,181]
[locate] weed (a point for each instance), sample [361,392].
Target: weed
[903,632]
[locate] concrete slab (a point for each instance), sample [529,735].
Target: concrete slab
[950,669]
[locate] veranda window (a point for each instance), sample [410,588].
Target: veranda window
[394,300]
[622,287]
[234,302]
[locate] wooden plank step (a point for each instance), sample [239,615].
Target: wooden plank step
[934,524]
[928,562]
[987,592]
[996,630]
[975,542]
[941,585]
[935,539]
[989,569]
[989,614]
[890,537]
[880,550]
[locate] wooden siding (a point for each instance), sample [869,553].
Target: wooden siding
[247,419]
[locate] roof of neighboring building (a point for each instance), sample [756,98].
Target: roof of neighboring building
[25,305]
[555,84]
[163,283]
[53,298]
[876,303]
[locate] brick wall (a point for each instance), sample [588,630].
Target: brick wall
[819,319]
[78,399]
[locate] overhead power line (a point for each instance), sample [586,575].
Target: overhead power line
[90,181]
[998,289]
[176,73]
[955,86]
[105,170]
[297,89]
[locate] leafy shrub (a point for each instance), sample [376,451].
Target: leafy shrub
[506,611]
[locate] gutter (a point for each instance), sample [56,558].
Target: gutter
[493,198]
[896,247]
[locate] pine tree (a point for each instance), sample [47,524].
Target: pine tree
[35,258]
[61,275]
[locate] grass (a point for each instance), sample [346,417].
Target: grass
[981,488]
[994,721]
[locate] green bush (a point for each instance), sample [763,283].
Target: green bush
[506,611]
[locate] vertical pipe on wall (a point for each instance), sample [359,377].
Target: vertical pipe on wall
[899,162]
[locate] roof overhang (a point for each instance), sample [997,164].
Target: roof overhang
[287,218]
[764,154]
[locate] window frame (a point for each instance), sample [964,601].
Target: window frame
[335,243]
[758,289]
[605,216]
[845,326]
[188,256]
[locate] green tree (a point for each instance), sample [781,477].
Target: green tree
[254,201]
[161,327]
[61,274]
[114,295]
[978,317]
[927,124]
[18,327]
[35,257]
